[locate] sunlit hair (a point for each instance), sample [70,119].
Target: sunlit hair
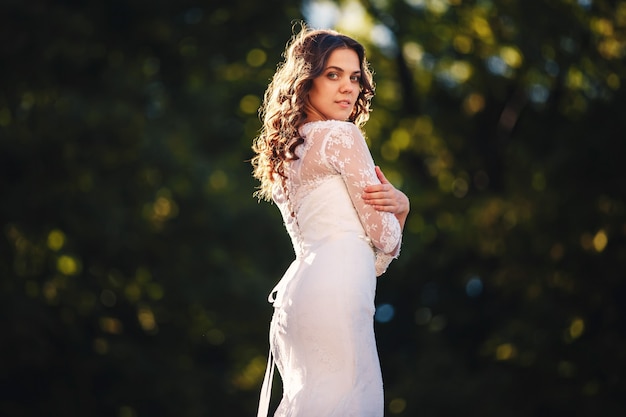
[283,109]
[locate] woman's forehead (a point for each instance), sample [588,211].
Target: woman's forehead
[344,59]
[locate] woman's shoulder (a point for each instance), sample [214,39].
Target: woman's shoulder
[325,127]
[332,135]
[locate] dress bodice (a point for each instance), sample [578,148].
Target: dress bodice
[321,197]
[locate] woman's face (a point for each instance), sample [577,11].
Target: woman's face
[334,93]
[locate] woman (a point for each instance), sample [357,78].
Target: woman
[345,221]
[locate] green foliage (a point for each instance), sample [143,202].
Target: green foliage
[134,258]
[135,262]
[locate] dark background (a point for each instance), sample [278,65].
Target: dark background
[135,262]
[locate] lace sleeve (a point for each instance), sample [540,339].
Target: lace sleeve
[345,151]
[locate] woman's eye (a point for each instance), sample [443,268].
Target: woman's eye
[333,75]
[355,78]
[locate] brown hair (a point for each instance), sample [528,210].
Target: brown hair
[283,108]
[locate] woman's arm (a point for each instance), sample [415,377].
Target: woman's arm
[345,151]
[385,197]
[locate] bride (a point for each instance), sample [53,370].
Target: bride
[345,221]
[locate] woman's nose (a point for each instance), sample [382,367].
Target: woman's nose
[346,86]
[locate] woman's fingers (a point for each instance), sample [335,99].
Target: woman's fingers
[379,196]
[384,196]
[381,176]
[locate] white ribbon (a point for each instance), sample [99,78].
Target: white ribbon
[266,389]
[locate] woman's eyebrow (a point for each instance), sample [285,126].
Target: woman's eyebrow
[341,69]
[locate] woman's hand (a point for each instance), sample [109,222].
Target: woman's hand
[385,197]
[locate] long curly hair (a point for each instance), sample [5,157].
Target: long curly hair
[283,109]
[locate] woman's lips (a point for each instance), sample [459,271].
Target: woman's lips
[344,103]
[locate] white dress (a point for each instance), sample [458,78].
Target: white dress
[322,333]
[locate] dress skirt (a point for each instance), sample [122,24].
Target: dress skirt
[322,333]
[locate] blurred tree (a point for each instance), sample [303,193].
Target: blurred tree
[135,262]
[132,261]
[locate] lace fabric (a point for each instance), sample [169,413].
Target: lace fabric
[333,148]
